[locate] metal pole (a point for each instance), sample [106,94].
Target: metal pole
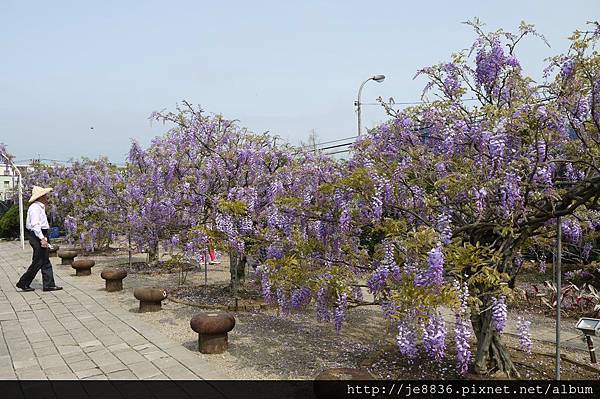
[205,271]
[358,104]
[129,246]
[590,345]
[558,292]
[358,110]
[21,229]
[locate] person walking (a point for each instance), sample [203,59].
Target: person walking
[37,224]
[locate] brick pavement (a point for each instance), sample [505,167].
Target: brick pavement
[77,333]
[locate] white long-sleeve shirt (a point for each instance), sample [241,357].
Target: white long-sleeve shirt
[36,219]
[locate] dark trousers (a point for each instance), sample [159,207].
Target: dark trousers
[40,260]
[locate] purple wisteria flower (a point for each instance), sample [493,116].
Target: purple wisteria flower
[274,252]
[543,265]
[443,227]
[524,334]
[434,275]
[378,279]
[390,262]
[262,273]
[489,63]
[377,205]
[499,313]
[322,304]
[339,314]
[389,309]
[407,340]
[497,146]
[571,231]
[434,337]
[480,196]
[70,224]
[567,68]
[462,336]
[345,220]
[462,330]
[571,174]
[300,297]
[510,192]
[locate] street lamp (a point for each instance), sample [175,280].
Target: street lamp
[378,79]
[589,327]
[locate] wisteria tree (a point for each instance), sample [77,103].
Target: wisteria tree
[435,210]
[439,203]
[85,199]
[489,177]
[206,182]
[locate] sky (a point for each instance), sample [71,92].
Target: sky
[279,66]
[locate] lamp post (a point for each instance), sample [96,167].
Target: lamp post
[589,327]
[378,79]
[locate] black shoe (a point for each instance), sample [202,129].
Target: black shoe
[55,288]
[23,288]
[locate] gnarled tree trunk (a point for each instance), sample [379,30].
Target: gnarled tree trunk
[491,355]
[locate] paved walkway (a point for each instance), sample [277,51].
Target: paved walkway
[78,334]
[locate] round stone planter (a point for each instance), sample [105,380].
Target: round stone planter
[52,252]
[150,298]
[212,329]
[114,278]
[83,267]
[66,256]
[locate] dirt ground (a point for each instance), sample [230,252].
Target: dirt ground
[265,345]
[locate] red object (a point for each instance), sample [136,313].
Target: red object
[211,252]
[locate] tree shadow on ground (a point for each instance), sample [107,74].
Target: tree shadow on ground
[297,346]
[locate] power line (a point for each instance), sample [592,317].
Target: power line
[328,142]
[413,102]
[317,146]
[338,152]
[334,146]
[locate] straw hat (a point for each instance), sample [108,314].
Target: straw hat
[38,192]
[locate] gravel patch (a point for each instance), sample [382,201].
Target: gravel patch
[263,344]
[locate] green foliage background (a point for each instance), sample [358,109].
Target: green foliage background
[9,223]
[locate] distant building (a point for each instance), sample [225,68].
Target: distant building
[9,180]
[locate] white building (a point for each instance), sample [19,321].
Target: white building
[9,180]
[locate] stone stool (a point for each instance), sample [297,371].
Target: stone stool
[325,390]
[52,252]
[212,329]
[150,298]
[114,278]
[83,267]
[66,256]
